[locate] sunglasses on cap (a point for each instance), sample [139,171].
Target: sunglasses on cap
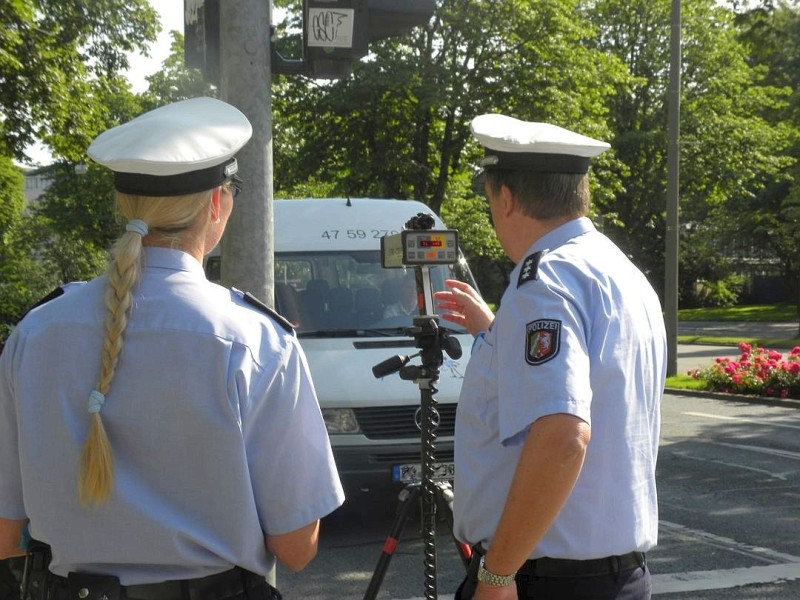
[234,185]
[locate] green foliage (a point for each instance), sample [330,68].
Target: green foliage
[728,148]
[59,239]
[174,81]
[310,188]
[721,292]
[12,196]
[60,63]
[12,200]
[52,53]
[771,34]
[80,207]
[399,126]
[24,276]
[468,212]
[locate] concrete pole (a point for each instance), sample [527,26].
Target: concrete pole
[673,193]
[245,81]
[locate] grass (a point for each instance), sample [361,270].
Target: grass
[764,313]
[685,382]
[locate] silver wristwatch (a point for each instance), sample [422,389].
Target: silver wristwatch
[490,578]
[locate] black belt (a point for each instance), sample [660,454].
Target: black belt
[234,582]
[561,567]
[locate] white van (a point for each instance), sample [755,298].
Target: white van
[349,316]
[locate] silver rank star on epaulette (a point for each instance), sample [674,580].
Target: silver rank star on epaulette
[529,268]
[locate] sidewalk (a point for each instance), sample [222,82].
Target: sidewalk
[694,356]
[738,328]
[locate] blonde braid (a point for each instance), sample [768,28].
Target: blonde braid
[96,478]
[97,463]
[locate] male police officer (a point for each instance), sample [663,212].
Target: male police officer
[558,422]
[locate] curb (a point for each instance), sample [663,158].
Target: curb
[764,400]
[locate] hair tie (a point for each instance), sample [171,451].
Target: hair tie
[96,400]
[137,226]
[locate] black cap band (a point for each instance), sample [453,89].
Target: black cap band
[140,184]
[534,161]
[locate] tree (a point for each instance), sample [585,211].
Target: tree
[12,201]
[728,148]
[12,195]
[174,81]
[64,236]
[771,33]
[50,53]
[399,126]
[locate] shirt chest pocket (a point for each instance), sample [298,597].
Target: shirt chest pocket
[479,390]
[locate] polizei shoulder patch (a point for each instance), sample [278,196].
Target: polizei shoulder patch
[542,341]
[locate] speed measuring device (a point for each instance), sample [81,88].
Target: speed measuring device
[419,247]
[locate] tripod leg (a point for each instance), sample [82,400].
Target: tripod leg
[406,499]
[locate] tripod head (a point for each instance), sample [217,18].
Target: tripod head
[431,340]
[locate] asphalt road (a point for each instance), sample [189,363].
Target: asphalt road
[729,496]
[692,357]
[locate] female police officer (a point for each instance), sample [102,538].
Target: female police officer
[576,352]
[185,410]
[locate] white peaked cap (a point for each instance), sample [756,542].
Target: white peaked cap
[178,149]
[525,145]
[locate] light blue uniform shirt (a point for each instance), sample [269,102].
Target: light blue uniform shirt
[585,337]
[212,416]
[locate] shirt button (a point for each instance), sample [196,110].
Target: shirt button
[83,593]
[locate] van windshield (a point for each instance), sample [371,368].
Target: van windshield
[350,293]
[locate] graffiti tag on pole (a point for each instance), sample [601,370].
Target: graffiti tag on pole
[330,28]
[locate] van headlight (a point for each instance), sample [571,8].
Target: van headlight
[340,420]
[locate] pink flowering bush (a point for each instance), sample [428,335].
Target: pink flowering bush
[758,371]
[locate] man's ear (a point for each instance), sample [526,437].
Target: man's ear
[509,203]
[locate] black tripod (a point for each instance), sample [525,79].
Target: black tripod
[431,340]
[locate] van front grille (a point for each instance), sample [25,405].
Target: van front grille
[409,457]
[397,422]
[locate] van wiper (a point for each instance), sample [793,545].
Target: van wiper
[453,329]
[338,333]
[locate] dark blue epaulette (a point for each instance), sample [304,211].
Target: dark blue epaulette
[260,306]
[59,291]
[529,269]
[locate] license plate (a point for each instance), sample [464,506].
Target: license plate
[442,471]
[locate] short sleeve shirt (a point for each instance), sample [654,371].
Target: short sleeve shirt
[579,333]
[212,418]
